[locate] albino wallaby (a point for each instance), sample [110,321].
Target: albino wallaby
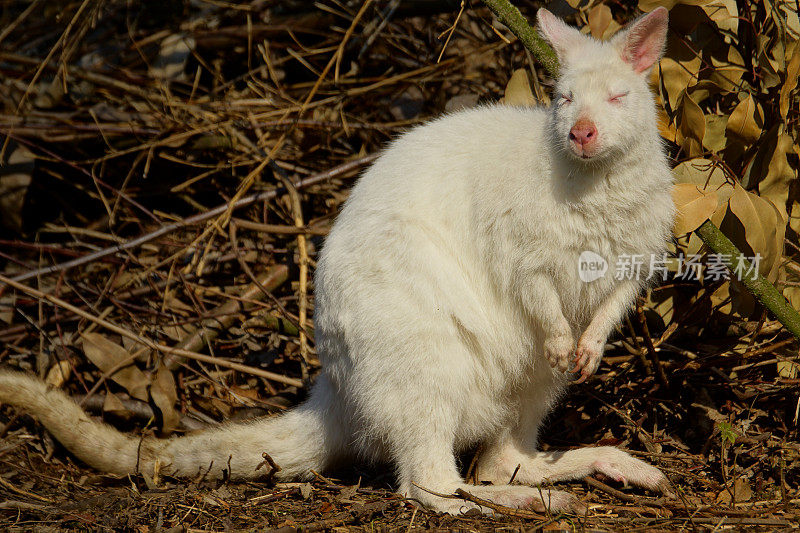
[450,308]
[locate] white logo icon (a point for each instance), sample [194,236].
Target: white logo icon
[591,266]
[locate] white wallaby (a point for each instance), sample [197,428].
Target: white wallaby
[450,308]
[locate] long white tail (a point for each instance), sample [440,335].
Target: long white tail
[304,439]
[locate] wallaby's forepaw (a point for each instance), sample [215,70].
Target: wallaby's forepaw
[559,350]
[588,357]
[623,468]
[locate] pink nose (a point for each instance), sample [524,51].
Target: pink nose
[583,133]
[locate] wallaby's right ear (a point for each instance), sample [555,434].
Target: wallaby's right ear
[561,36]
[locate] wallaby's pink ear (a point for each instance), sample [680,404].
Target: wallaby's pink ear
[642,43]
[560,35]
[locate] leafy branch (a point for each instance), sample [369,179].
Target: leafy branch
[730,255]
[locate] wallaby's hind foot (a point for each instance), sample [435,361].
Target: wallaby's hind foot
[511,496]
[499,464]
[621,467]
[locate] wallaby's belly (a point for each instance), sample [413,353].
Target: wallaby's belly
[411,314]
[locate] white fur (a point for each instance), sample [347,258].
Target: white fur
[448,302]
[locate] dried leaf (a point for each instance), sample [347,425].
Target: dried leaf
[769,66]
[728,68]
[518,90]
[694,206]
[741,490]
[176,305]
[59,374]
[714,138]
[788,369]
[666,302]
[789,18]
[665,127]
[691,126]
[113,359]
[792,72]
[612,28]
[461,101]
[775,185]
[724,497]
[759,165]
[7,304]
[678,72]
[599,19]
[648,5]
[707,176]
[723,12]
[746,121]
[15,177]
[171,61]
[347,494]
[165,396]
[792,295]
[112,404]
[758,218]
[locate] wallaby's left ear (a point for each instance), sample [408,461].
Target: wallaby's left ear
[564,39]
[642,43]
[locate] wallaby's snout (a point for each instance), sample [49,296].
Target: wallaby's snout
[583,138]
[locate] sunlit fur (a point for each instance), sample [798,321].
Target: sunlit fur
[448,302]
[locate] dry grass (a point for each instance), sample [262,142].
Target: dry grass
[164,197]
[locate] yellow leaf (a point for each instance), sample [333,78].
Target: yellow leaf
[694,206]
[58,374]
[789,18]
[788,369]
[723,12]
[648,5]
[741,490]
[704,89]
[15,178]
[612,28]
[599,19]
[678,71]
[112,404]
[772,171]
[792,71]
[769,66]
[714,138]
[706,175]
[759,221]
[164,396]
[691,125]
[518,91]
[668,301]
[746,121]
[728,68]
[665,127]
[117,363]
[792,295]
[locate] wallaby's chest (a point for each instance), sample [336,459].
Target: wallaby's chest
[587,248]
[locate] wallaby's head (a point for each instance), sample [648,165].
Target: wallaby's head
[602,103]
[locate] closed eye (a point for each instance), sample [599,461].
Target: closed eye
[617,98]
[565,99]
